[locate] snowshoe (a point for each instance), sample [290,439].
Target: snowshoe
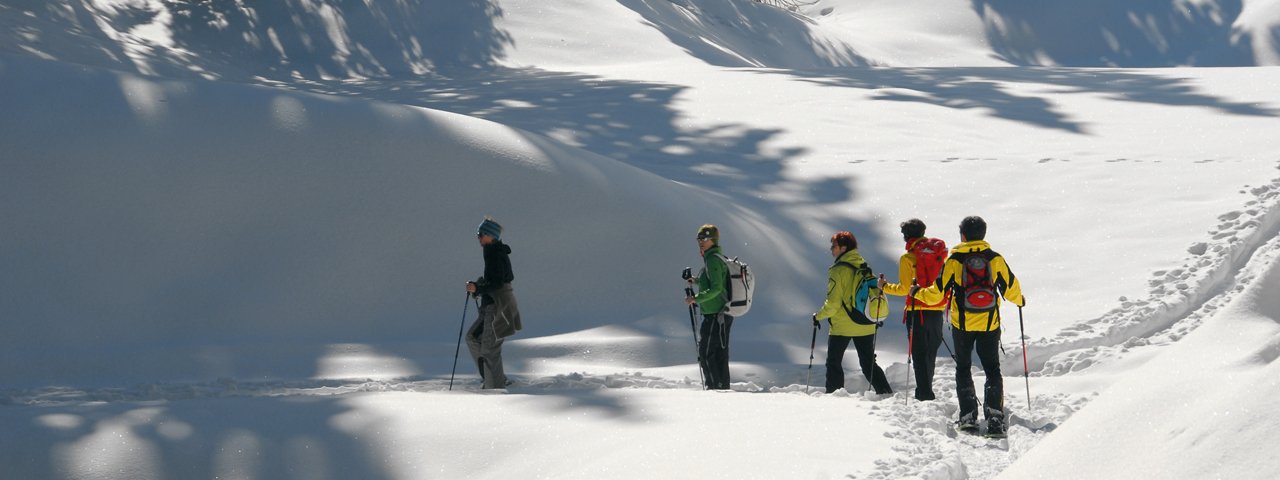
[996,428]
[968,423]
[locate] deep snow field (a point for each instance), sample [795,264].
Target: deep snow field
[234,233]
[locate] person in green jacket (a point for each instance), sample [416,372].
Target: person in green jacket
[847,293]
[712,298]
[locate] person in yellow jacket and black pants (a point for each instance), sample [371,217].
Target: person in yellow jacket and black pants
[924,321]
[976,277]
[844,312]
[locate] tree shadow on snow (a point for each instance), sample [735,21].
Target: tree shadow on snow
[1106,33]
[224,438]
[987,89]
[290,40]
[730,33]
[311,46]
[639,123]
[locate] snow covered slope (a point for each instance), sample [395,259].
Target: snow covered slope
[146,213]
[1201,409]
[235,232]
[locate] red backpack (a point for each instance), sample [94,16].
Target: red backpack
[978,291]
[931,254]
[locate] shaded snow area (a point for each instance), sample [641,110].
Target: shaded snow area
[235,234]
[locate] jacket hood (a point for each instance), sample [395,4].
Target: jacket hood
[851,256]
[497,247]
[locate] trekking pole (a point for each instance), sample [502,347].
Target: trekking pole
[465,303]
[911,335]
[1025,375]
[813,345]
[949,351]
[875,335]
[687,274]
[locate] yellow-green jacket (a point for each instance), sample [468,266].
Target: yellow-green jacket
[952,277]
[906,277]
[841,289]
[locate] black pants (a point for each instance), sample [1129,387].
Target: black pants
[925,328]
[988,346]
[865,345]
[714,347]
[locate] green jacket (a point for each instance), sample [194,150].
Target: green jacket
[712,297]
[840,295]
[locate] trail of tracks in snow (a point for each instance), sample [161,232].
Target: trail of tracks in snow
[1180,299]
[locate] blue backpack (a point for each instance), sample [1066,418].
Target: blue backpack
[865,280]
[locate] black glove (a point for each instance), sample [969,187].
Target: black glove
[816,323]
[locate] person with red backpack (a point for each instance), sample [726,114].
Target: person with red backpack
[919,267]
[975,277]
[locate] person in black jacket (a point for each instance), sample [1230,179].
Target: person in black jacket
[499,315]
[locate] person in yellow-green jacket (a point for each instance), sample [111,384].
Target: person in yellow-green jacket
[976,277]
[850,284]
[924,257]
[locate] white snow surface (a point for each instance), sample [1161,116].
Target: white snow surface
[234,233]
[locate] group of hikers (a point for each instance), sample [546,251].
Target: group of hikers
[966,283]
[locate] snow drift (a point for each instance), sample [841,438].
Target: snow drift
[1199,410]
[145,212]
[206,272]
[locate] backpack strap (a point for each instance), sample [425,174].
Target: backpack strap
[957,290]
[728,280]
[958,287]
[854,314]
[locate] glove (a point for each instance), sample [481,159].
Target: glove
[816,323]
[1024,301]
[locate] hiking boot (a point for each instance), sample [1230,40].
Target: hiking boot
[996,427]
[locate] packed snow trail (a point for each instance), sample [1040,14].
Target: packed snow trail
[1179,299]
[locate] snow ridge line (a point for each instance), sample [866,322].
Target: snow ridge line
[1215,269]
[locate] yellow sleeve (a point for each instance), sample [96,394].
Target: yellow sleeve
[838,279]
[1012,290]
[935,293]
[906,274]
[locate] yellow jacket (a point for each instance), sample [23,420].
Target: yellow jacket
[952,277]
[841,287]
[906,278]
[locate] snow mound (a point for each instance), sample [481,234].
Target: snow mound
[146,213]
[1207,398]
